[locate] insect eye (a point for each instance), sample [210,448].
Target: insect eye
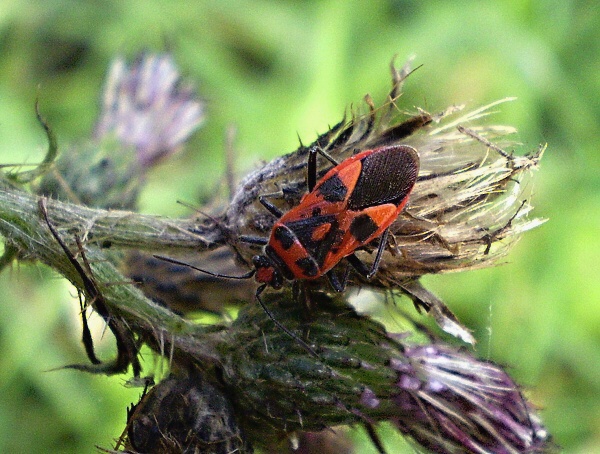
[260,261]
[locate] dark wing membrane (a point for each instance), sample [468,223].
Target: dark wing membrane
[387,176]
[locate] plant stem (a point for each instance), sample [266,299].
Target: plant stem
[24,229]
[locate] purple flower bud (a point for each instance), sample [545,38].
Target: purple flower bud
[147,106]
[369,399]
[456,403]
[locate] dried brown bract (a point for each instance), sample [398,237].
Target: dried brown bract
[470,202]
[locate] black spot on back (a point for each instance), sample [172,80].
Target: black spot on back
[363,227]
[308,266]
[304,229]
[333,189]
[284,237]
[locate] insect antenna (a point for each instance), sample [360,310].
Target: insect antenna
[248,275]
[260,289]
[300,342]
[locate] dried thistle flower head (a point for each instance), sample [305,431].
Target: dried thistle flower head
[461,404]
[470,202]
[185,415]
[468,206]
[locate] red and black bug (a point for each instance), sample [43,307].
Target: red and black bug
[354,203]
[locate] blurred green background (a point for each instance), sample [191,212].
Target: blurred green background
[275,69]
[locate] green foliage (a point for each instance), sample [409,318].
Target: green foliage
[274,69]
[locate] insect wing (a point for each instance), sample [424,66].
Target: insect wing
[349,207]
[332,192]
[380,193]
[360,228]
[387,175]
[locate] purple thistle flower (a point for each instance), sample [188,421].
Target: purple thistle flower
[147,114]
[147,106]
[444,399]
[456,403]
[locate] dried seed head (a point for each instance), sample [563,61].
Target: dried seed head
[470,202]
[185,415]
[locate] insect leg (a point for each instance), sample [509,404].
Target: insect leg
[360,266]
[311,172]
[270,207]
[253,240]
[334,280]
[382,245]
[301,295]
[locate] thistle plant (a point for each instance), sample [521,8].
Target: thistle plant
[147,113]
[238,385]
